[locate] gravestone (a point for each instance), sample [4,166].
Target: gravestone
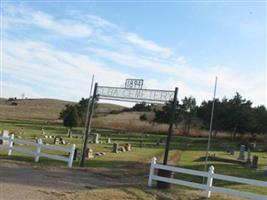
[254,164]
[128,147]
[63,141]
[56,141]
[59,140]
[265,171]
[89,153]
[69,133]
[96,138]
[39,141]
[122,149]
[253,145]
[248,156]
[115,148]
[43,131]
[108,141]
[5,133]
[242,152]
[75,154]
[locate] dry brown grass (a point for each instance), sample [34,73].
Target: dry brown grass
[44,109]
[128,121]
[135,193]
[47,109]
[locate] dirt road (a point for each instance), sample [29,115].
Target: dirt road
[19,180]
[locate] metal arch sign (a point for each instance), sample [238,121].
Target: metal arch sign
[134,93]
[131,94]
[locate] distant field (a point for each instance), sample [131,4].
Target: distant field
[42,109]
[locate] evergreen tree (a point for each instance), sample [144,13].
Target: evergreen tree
[71,119]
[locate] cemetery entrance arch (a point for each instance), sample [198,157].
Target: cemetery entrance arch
[132,92]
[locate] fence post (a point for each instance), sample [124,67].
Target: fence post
[38,149]
[10,144]
[209,181]
[71,155]
[151,173]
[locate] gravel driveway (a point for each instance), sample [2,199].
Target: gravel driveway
[19,180]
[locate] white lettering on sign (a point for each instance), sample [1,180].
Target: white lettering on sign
[135,94]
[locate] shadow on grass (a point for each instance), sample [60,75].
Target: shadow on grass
[218,159]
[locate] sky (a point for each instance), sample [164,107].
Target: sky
[51,49]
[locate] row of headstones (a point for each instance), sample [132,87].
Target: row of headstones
[126,147]
[116,149]
[89,153]
[254,163]
[4,133]
[96,139]
[60,140]
[57,139]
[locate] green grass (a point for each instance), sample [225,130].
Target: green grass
[187,152]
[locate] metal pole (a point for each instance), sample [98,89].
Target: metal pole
[210,128]
[172,118]
[88,126]
[89,100]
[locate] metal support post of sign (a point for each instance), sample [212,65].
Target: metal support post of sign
[88,126]
[172,118]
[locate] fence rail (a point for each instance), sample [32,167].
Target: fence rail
[37,153]
[208,187]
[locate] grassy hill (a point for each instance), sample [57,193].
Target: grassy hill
[45,109]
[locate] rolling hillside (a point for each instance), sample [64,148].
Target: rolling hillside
[46,109]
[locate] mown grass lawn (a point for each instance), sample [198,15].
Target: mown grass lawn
[187,152]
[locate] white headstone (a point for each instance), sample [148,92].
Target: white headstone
[96,138]
[5,134]
[242,152]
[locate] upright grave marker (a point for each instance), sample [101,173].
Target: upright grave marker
[242,152]
[5,133]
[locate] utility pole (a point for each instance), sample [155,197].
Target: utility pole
[88,126]
[172,119]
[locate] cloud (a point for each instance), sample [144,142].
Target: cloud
[44,68]
[54,71]
[65,27]
[146,44]
[23,16]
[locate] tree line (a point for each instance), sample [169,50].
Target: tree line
[234,115]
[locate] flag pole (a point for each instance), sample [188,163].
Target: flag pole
[210,128]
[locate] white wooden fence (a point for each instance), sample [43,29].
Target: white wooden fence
[39,146]
[208,187]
